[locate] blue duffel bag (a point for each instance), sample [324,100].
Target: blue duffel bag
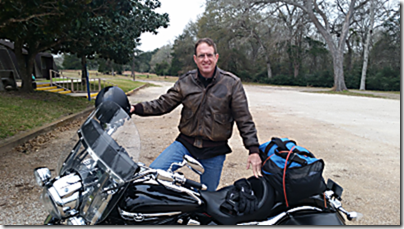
[293,171]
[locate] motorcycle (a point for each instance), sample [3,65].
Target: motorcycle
[100,181]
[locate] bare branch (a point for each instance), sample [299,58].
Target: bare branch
[13,20]
[326,25]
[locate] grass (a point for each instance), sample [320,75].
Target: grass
[21,111]
[24,111]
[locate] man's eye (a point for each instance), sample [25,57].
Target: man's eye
[209,55]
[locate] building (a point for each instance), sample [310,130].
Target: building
[8,62]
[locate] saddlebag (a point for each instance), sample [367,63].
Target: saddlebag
[293,171]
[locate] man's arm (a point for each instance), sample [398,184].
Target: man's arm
[246,127]
[164,104]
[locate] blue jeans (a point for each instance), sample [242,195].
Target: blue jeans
[174,153]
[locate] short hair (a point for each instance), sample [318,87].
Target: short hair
[208,41]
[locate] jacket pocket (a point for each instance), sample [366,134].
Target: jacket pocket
[221,127]
[222,119]
[185,126]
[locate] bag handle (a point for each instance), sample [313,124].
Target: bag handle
[292,157]
[281,145]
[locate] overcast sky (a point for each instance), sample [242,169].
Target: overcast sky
[180,12]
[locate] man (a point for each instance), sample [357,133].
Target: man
[212,100]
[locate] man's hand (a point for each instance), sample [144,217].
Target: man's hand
[255,160]
[132,109]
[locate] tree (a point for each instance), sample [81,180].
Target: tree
[114,33]
[238,50]
[366,51]
[71,62]
[59,25]
[161,56]
[162,68]
[326,27]
[37,26]
[142,60]
[296,24]
[183,51]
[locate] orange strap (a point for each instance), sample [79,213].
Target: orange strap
[284,176]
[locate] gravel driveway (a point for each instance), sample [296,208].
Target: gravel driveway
[358,138]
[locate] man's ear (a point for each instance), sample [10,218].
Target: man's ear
[195,59]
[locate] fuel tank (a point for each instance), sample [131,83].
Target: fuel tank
[151,202]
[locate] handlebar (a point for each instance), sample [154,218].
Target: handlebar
[194,184]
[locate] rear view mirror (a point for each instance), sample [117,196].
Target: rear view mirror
[193,164]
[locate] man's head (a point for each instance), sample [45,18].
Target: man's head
[206,56]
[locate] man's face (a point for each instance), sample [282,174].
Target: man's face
[206,59]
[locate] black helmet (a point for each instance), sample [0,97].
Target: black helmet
[114,94]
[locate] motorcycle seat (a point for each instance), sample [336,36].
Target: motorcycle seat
[262,190]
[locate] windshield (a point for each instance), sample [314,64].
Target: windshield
[110,136]
[104,158]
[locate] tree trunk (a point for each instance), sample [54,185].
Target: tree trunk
[335,49]
[366,51]
[349,56]
[26,66]
[132,74]
[296,67]
[83,69]
[339,80]
[112,68]
[269,70]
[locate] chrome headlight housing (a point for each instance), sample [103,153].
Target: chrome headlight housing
[62,198]
[42,176]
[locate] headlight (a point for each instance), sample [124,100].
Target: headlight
[50,204]
[62,196]
[42,176]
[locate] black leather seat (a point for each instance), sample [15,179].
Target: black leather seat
[266,200]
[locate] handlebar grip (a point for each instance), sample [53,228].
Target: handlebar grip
[194,184]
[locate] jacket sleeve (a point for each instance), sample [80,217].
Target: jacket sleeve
[164,104]
[243,118]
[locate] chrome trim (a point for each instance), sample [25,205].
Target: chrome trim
[76,221]
[140,217]
[193,222]
[275,219]
[65,193]
[181,189]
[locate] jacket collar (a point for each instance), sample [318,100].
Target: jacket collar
[215,76]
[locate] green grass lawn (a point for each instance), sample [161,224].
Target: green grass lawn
[25,111]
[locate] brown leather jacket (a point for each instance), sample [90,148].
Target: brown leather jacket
[208,112]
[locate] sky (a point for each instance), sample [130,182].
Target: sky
[180,13]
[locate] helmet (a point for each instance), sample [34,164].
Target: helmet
[114,94]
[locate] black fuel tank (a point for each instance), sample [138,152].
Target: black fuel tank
[154,198]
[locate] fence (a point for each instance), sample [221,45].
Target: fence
[77,85]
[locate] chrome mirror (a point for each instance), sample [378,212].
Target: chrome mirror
[354,216]
[42,176]
[193,164]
